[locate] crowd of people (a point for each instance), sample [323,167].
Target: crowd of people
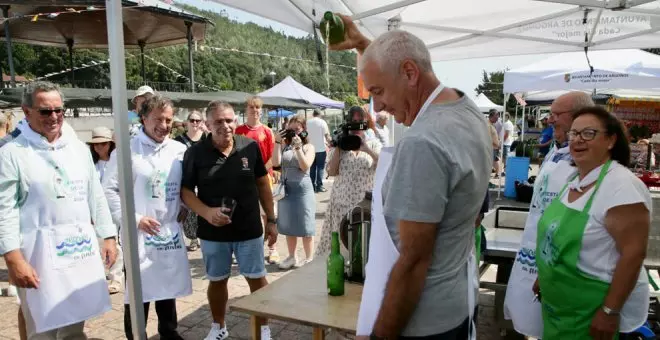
[584,240]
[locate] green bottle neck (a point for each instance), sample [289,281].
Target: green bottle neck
[335,243]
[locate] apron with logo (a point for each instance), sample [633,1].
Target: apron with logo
[164,266]
[570,298]
[383,253]
[60,243]
[520,304]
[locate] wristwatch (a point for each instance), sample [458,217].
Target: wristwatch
[609,311]
[272,220]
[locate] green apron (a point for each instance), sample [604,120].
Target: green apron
[569,297]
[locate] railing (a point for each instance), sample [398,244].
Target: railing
[130,85]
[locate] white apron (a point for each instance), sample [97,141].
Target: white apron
[520,304]
[60,243]
[164,266]
[383,253]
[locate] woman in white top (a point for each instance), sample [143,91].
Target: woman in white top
[101,146]
[592,238]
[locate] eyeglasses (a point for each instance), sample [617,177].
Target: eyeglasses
[586,134]
[48,112]
[194,120]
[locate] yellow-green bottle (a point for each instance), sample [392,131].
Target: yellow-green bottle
[333,34]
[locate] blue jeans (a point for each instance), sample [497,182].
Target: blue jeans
[316,170]
[249,255]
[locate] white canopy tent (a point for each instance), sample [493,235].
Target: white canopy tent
[485,28]
[629,69]
[535,97]
[291,89]
[486,104]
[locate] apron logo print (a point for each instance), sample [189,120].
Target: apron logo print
[163,242]
[526,257]
[549,253]
[156,184]
[74,245]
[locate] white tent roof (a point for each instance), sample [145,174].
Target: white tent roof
[547,96]
[485,28]
[291,89]
[629,69]
[486,104]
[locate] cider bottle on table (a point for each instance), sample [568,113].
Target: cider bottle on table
[332,28]
[335,268]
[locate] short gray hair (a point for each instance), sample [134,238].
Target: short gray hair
[390,49]
[581,100]
[38,86]
[217,105]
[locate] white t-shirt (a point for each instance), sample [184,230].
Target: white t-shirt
[598,255]
[317,128]
[508,126]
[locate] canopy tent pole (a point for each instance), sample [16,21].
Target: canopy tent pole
[143,71]
[69,45]
[190,56]
[10,56]
[114,18]
[499,174]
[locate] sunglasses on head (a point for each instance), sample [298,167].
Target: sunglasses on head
[48,112]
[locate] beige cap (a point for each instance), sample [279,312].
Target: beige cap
[141,91]
[100,134]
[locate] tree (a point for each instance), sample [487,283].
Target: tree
[492,86]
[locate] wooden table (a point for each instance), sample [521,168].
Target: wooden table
[302,297]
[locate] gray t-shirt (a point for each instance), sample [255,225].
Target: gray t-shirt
[439,174]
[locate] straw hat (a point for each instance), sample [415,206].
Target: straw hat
[100,134]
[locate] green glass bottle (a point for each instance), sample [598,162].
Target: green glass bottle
[335,268]
[332,28]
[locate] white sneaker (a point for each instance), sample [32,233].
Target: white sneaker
[288,263]
[12,291]
[217,332]
[306,261]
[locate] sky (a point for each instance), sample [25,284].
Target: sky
[464,75]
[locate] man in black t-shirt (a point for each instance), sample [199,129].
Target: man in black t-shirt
[228,166]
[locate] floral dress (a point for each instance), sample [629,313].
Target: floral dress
[355,177]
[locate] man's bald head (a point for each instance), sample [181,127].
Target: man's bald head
[565,106]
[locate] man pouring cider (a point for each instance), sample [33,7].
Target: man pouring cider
[52,210]
[421,268]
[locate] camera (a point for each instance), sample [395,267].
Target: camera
[288,134]
[344,140]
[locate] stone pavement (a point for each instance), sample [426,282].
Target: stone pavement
[195,316]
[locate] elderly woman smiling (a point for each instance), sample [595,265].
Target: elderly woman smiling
[592,239]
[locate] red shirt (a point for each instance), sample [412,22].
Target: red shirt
[264,137]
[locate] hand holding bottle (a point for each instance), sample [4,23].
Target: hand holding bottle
[353,38]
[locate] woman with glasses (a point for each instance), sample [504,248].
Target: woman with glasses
[592,238]
[194,133]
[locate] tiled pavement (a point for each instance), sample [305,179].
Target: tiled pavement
[195,316]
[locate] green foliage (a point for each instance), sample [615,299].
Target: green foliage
[492,85]
[219,69]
